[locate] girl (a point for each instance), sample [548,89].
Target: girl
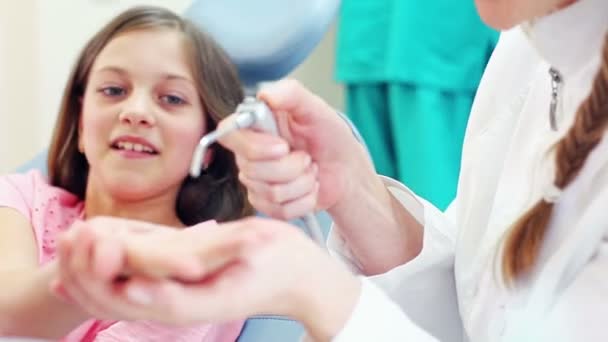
[142,93]
[520,255]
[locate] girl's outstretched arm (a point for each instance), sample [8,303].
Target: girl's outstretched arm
[27,306]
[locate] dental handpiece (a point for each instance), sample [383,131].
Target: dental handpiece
[251,113]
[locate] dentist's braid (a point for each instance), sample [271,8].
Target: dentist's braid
[523,242]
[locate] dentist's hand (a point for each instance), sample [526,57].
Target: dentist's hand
[314,164]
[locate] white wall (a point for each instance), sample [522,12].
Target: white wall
[37,55]
[317,71]
[19,94]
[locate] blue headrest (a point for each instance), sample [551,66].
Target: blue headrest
[266,39]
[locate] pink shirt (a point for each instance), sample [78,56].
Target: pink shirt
[52,210]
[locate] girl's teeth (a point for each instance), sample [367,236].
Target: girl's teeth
[133,147]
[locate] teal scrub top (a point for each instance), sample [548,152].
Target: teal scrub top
[440,43]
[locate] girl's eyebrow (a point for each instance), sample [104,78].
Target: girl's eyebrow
[167,76]
[111,69]
[171,77]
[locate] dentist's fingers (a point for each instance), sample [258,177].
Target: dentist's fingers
[287,210]
[279,170]
[291,96]
[180,303]
[78,281]
[279,193]
[253,145]
[101,295]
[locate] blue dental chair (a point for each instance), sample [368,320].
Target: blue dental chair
[266,39]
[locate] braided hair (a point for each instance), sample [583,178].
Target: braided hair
[523,241]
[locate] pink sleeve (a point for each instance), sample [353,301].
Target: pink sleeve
[17,192]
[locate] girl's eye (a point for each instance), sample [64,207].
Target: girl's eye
[173,100]
[113,91]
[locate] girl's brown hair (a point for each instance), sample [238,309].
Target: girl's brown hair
[524,240]
[217,194]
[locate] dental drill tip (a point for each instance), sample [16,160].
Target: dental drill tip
[240,120]
[197,161]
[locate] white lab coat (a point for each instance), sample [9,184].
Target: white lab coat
[452,290]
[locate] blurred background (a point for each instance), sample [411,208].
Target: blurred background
[403,72]
[39,40]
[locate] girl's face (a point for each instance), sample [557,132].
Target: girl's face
[504,14]
[141,116]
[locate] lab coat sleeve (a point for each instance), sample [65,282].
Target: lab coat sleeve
[424,288]
[377,318]
[580,311]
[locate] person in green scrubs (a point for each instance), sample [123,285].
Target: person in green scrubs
[411,69]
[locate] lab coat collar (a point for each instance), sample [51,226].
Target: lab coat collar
[566,38]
